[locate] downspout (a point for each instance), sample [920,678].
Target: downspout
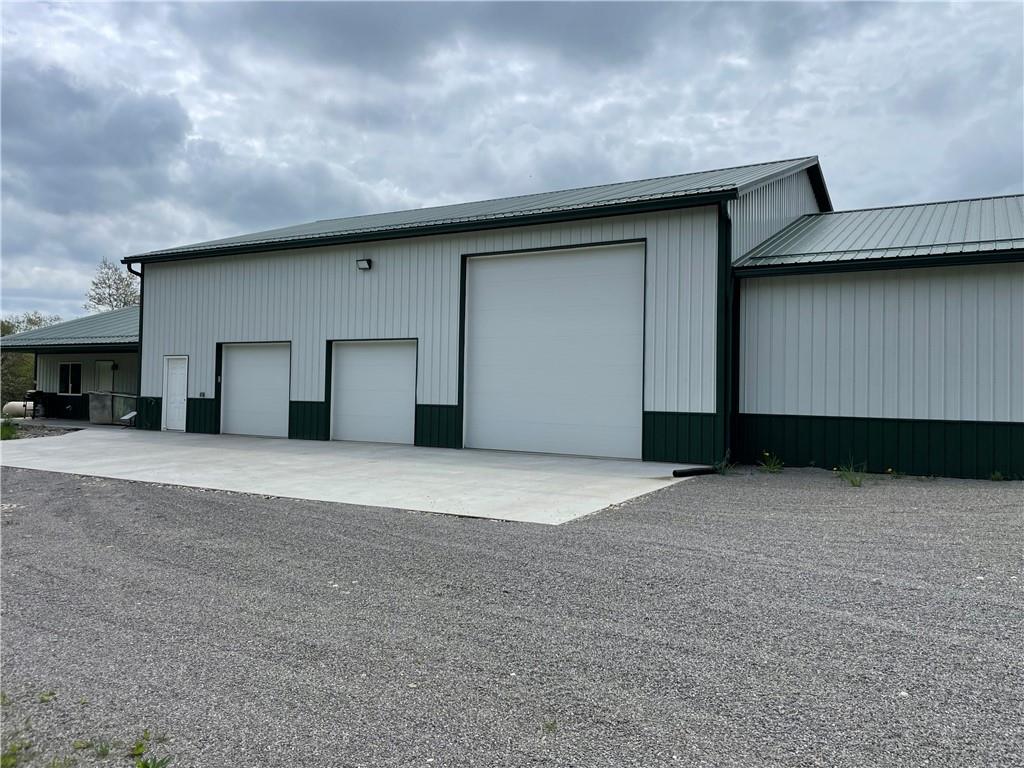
[142,293]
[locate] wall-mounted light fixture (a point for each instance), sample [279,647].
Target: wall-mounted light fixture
[364,264]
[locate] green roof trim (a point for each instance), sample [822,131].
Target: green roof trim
[955,232]
[664,193]
[118,328]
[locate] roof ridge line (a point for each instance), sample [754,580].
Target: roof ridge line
[569,189]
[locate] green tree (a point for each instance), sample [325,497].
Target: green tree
[112,288]
[17,368]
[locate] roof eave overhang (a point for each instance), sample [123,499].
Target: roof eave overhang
[869,265]
[67,349]
[549,217]
[821,195]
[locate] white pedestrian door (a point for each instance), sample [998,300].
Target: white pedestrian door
[374,391]
[175,398]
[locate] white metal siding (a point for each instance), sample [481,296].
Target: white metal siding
[126,377]
[312,295]
[945,343]
[768,209]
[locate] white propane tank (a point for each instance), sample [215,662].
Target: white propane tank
[18,408]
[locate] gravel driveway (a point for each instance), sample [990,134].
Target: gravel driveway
[743,620]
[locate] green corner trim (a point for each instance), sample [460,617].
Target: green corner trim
[685,438]
[971,449]
[723,338]
[309,420]
[438,426]
[202,415]
[148,413]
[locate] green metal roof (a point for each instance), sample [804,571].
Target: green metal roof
[119,327]
[606,199]
[976,230]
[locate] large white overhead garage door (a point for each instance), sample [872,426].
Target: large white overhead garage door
[373,394]
[554,351]
[254,389]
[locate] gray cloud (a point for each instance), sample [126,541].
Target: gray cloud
[128,126]
[392,38]
[265,195]
[70,147]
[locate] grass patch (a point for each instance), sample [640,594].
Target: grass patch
[8,430]
[851,473]
[47,696]
[770,463]
[15,752]
[723,466]
[153,762]
[101,749]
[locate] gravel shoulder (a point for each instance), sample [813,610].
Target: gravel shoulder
[734,620]
[28,430]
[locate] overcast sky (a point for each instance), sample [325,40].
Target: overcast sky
[131,127]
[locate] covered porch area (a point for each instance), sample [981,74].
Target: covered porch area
[84,369]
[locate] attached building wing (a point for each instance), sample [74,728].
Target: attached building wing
[119,327]
[981,230]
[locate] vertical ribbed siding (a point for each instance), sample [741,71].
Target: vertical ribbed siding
[688,438]
[439,426]
[766,210]
[936,344]
[202,415]
[149,413]
[65,406]
[125,377]
[309,420]
[975,449]
[309,296]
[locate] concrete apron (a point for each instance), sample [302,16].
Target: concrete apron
[523,487]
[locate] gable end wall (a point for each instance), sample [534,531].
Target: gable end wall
[768,209]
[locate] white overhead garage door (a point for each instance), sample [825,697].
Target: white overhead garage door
[373,391]
[554,352]
[254,389]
